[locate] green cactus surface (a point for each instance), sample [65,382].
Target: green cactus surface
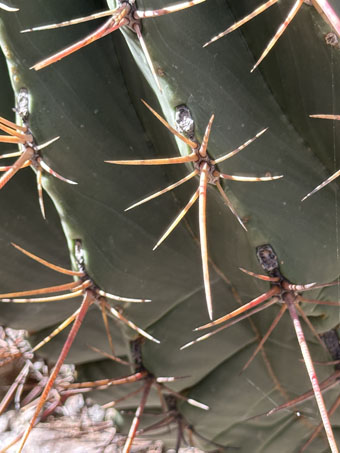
[92,100]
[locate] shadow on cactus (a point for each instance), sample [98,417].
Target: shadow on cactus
[85,287]
[64,387]
[322,6]
[288,294]
[206,168]
[149,381]
[174,420]
[331,340]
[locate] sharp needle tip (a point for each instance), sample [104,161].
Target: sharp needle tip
[186,346]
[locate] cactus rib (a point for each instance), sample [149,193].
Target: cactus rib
[206,168]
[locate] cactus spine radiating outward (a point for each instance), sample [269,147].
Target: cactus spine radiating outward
[92,102]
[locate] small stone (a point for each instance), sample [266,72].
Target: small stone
[96,413]
[73,405]
[4,422]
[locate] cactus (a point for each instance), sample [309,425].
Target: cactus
[92,101]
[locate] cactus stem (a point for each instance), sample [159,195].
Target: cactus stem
[30,156]
[205,167]
[76,289]
[287,295]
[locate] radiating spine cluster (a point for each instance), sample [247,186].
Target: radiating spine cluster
[281,290]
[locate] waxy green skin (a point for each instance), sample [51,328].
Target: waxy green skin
[92,99]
